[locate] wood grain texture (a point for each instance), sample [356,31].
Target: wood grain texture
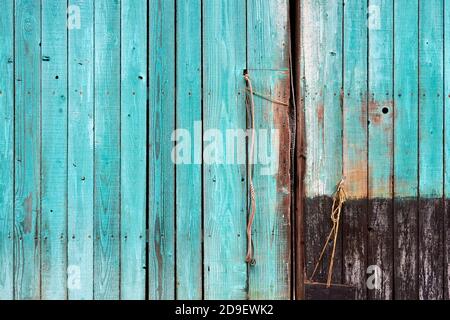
[354,236]
[6,149]
[270,278]
[299,164]
[224,185]
[80,153]
[431,247]
[322,51]
[447,250]
[322,86]
[316,233]
[267,42]
[189,175]
[107,150]
[431,172]
[27,127]
[54,150]
[447,149]
[380,143]
[406,249]
[75,202]
[380,247]
[133,138]
[161,184]
[406,15]
[431,101]
[354,229]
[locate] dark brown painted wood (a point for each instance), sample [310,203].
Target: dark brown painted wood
[317,228]
[406,249]
[431,260]
[380,246]
[354,232]
[447,250]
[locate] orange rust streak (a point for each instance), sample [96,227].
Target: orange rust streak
[356,179]
[320,110]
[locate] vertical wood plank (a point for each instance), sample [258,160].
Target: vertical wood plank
[299,169]
[189,175]
[80,148]
[107,150]
[27,150]
[224,186]
[354,216]
[406,60]
[161,244]
[380,144]
[6,149]
[133,148]
[447,149]
[322,85]
[268,67]
[430,149]
[54,150]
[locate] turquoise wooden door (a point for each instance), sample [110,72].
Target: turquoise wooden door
[376,94]
[93,204]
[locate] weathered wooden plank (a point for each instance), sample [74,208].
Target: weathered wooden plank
[6,149]
[322,51]
[406,15]
[447,149]
[133,148]
[224,60]
[188,171]
[299,165]
[322,84]
[406,249]
[430,151]
[431,249]
[268,35]
[54,150]
[107,150]
[354,216]
[447,250]
[27,150]
[80,149]
[380,144]
[161,245]
[269,278]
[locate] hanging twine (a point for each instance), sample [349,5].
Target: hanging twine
[250,111]
[251,115]
[267,98]
[339,198]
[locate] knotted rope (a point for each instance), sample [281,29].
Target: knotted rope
[251,115]
[268,98]
[250,112]
[339,197]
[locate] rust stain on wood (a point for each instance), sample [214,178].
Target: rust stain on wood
[356,177]
[320,111]
[378,110]
[283,177]
[281,123]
